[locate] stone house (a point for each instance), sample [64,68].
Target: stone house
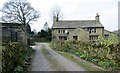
[12,32]
[108,34]
[82,30]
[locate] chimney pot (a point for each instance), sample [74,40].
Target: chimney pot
[97,17]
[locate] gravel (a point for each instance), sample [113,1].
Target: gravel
[46,59]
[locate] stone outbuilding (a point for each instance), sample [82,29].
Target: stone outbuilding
[13,32]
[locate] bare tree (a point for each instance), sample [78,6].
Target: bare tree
[19,12]
[45,27]
[56,11]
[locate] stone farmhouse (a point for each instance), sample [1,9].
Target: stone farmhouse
[83,30]
[12,32]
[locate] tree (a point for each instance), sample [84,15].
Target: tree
[57,12]
[19,12]
[45,27]
[45,35]
[28,29]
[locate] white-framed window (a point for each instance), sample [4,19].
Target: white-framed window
[93,37]
[92,30]
[62,31]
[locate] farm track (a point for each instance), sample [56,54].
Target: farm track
[46,59]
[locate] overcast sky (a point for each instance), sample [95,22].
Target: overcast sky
[77,10]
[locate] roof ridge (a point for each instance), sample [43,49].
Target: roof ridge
[75,20]
[76,23]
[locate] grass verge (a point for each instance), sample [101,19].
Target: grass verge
[32,57]
[86,65]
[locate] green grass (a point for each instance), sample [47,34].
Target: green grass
[32,57]
[86,65]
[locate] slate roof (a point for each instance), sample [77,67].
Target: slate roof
[10,25]
[76,24]
[111,32]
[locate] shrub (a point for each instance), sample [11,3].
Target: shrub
[14,57]
[104,55]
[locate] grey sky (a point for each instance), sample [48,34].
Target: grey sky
[77,10]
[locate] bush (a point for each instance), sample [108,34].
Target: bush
[14,57]
[107,57]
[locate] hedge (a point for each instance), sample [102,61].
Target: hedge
[15,58]
[107,57]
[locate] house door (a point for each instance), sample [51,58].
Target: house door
[75,37]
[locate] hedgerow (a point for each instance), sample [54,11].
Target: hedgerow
[107,57]
[15,58]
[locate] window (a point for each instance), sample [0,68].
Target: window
[106,35]
[63,31]
[65,37]
[66,31]
[58,31]
[62,37]
[75,37]
[93,37]
[92,30]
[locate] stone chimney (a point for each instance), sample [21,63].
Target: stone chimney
[54,19]
[97,17]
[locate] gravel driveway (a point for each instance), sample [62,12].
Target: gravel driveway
[46,59]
